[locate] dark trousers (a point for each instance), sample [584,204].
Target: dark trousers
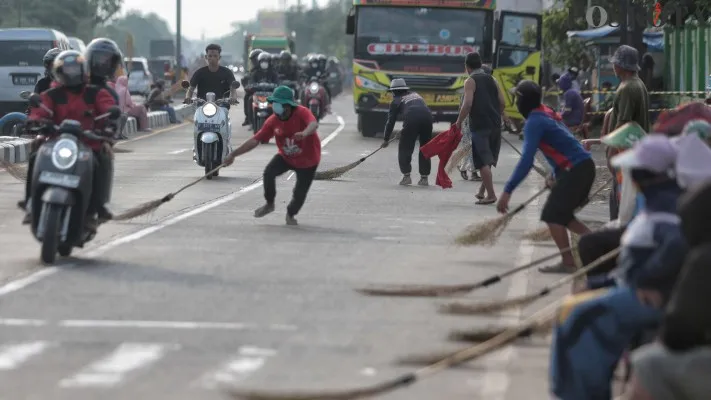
[304,176]
[412,132]
[247,107]
[595,245]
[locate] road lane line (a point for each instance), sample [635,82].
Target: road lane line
[247,361]
[18,284]
[113,369]
[175,325]
[21,322]
[178,151]
[12,356]
[324,142]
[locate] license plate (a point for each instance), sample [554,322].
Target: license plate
[207,127]
[24,80]
[58,179]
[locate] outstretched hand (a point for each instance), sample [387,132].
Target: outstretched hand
[229,160]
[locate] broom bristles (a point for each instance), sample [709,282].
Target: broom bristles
[488,333]
[17,171]
[336,172]
[457,157]
[488,307]
[142,209]
[485,233]
[414,290]
[542,234]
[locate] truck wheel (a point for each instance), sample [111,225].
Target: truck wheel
[371,124]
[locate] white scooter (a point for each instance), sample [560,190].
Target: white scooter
[213,130]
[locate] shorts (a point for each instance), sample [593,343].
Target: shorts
[486,144]
[571,191]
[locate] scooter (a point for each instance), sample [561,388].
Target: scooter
[315,98]
[61,186]
[261,109]
[213,130]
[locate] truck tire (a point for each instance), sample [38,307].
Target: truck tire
[370,124]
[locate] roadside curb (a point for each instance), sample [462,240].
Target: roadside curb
[17,150]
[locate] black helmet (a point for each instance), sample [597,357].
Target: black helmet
[528,97]
[285,56]
[70,68]
[321,57]
[264,58]
[104,58]
[254,54]
[49,57]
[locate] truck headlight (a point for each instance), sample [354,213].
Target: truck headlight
[209,110]
[368,84]
[65,154]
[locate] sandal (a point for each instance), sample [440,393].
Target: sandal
[479,197]
[464,175]
[559,268]
[486,201]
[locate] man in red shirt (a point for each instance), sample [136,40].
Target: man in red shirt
[294,128]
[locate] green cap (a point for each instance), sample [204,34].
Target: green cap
[625,136]
[699,127]
[283,95]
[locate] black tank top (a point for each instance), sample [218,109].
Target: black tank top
[485,113]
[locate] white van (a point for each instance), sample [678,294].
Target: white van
[77,44]
[21,53]
[140,78]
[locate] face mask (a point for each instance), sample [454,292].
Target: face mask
[278,108]
[264,65]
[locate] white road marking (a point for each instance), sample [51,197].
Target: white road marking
[178,151]
[175,325]
[247,361]
[35,277]
[113,369]
[389,238]
[21,322]
[12,356]
[496,380]
[368,371]
[324,142]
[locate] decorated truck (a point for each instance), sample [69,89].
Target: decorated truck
[425,42]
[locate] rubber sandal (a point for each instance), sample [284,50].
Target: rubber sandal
[479,197]
[486,201]
[559,268]
[464,175]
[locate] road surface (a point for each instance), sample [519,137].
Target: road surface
[202,294]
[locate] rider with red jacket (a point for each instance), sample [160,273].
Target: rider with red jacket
[74,99]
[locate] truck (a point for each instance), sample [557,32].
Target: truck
[425,42]
[162,59]
[270,44]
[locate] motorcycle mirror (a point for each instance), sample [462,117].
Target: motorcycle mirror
[35,100]
[234,85]
[25,95]
[185,84]
[114,112]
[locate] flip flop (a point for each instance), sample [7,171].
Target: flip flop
[479,197]
[485,201]
[464,175]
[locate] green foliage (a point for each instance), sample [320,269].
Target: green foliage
[557,21]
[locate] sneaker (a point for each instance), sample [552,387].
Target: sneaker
[423,181]
[263,210]
[290,220]
[406,180]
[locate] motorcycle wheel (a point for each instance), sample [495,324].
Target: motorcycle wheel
[65,250]
[50,241]
[207,155]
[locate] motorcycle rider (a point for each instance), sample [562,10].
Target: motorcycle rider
[75,99]
[254,63]
[46,81]
[316,68]
[104,59]
[287,69]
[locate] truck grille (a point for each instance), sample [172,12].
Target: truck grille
[423,81]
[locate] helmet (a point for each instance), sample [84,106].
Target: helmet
[285,56]
[264,58]
[321,57]
[104,58]
[49,57]
[255,53]
[70,68]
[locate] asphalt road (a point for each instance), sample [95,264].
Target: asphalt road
[202,294]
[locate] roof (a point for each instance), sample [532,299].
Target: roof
[488,4]
[653,40]
[30,34]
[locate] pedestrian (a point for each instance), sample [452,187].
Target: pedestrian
[416,126]
[483,106]
[573,171]
[294,129]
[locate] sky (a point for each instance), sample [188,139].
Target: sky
[211,17]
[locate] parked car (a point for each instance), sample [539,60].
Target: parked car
[77,44]
[21,53]
[140,77]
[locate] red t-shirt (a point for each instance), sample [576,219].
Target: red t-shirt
[304,153]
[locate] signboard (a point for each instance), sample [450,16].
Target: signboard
[272,23]
[414,49]
[488,4]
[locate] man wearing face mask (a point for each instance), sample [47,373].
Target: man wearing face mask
[573,170]
[294,128]
[254,63]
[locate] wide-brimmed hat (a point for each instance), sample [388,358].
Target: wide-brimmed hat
[655,153]
[625,136]
[398,84]
[283,95]
[627,58]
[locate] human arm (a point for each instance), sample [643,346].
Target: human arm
[392,117]
[264,134]
[465,108]
[231,78]
[104,101]
[532,133]
[40,113]
[194,81]
[307,118]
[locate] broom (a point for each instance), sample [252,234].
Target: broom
[17,171]
[340,171]
[538,169]
[543,327]
[448,290]
[502,305]
[449,361]
[488,232]
[543,234]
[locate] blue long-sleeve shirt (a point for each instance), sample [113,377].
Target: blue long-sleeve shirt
[545,131]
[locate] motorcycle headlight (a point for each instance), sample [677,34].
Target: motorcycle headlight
[209,110]
[313,88]
[65,154]
[263,105]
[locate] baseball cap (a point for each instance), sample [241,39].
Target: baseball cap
[654,153]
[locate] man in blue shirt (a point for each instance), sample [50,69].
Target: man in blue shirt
[573,170]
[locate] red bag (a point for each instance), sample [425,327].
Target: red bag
[442,146]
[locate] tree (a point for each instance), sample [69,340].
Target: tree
[558,48]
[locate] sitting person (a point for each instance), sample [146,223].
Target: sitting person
[128,107]
[157,102]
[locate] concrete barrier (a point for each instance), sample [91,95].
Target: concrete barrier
[16,150]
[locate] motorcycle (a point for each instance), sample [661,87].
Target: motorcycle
[61,186]
[213,130]
[293,86]
[261,109]
[315,98]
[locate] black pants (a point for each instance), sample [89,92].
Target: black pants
[412,131]
[247,107]
[304,176]
[595,245]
